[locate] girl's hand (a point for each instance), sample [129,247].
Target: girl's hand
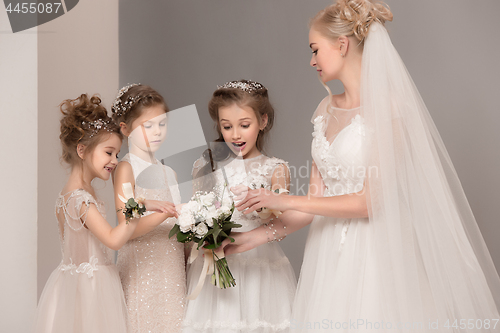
[161,207]
[178,207]
[259,198]
[244,241]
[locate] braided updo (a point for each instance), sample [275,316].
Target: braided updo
[140,97]
[85,121]
[350,18]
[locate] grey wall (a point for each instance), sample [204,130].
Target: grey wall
[185,48]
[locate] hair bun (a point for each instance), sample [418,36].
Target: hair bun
[81,109]
[350,18]
[362,13]
[78,113]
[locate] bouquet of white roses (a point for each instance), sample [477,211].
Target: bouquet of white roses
[206,219]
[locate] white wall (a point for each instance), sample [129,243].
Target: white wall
[77,53]
[18,176]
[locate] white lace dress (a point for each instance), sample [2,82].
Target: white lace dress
[152,267]
[265,282]
[84,293]
[336,269]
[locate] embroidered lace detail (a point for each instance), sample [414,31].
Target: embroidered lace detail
[338,171]
[330,167]
[323,146]
[345,227]
[237,325]
[84,268]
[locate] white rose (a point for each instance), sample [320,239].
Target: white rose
[135,214]
[201,230]
[187,228]
[185,221]
[227,202]
[193,206]
[211,213]
[202,213]
[208,199]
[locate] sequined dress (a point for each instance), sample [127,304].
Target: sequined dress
[265,281]
[152,267]
[83,294]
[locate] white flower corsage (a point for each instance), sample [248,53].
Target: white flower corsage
[133,208]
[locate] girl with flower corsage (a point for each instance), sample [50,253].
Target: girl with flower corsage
[265,282]
[84,293]
[152,266]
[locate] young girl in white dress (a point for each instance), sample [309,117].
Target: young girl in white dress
[265,282]
[84,293]
[152,266]
[393,245]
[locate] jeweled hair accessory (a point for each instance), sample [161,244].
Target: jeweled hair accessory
[121,107]
[97,125]
[246,85]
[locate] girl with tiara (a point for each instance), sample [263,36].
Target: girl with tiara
[152,266]
[265,282]
[393,245]
[84,293]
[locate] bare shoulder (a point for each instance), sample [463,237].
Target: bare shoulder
[123,171]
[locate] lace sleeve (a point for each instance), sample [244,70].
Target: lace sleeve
[321,110]
[77,207]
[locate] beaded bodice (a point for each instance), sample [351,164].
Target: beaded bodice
[151,266]
[154,182]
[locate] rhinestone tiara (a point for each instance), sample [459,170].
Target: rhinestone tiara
[121,107]
[248,86]
[96,125]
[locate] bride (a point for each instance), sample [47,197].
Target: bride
[393,244]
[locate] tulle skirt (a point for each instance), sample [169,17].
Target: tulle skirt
[335,281]
[261,301]
[340,289]
[74,302]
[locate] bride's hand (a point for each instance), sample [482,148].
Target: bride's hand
[161,207]
[257,199]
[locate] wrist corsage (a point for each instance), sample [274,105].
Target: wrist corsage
[133,208]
